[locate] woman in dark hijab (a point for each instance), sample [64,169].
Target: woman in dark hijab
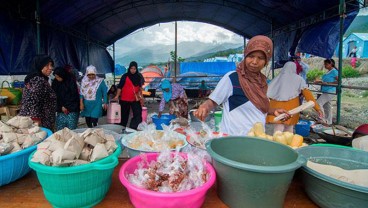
[39,99]
[129,88]
[67,95]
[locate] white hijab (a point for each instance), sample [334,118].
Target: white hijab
[89,87]
[287,85]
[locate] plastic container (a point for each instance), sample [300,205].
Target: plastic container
[142,198]
[134,152]
[252,172]
[78,186]
[329,145]
[15,165]
[303,128]
[113,113]
[108,128]
[144,114]
[328,192]
[218,118]
[164,119]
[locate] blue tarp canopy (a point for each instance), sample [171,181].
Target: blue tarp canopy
[189,80]
[218,68]
[77,32]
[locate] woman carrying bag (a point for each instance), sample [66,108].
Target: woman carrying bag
[130,92]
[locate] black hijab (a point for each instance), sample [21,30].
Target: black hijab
[66,90]
[136,78]
[38,63]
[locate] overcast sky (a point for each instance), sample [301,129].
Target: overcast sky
[164,33]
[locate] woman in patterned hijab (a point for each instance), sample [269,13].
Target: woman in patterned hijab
[93,95]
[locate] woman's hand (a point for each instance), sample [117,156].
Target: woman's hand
[320,114]
[104,106]
[81,106]
[116,98]
[279,111]
[64,110]
[202,112]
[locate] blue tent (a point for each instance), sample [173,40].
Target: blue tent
[119,69]
[218,68]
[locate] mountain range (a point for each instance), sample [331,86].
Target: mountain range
[196,50]
[161,53]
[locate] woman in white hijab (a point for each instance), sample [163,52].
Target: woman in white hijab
[284,91]
[93,95]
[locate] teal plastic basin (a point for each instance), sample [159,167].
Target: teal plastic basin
[15,165]
[77,186]
[252,172]
[328,192]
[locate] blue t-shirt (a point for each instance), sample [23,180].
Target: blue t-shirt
[329,77]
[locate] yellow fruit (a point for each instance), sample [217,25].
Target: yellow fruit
[269,137]
[258,129]
[288,136]
[251,133]
[297,141]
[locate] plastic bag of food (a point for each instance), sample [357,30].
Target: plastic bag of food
[93,136]
[42,156]
[99,152]
[20,122]
[14,137]
[16,147]
[5,127]
[61,154]
[30,140]
[75,144]
[5,148]
[86,153]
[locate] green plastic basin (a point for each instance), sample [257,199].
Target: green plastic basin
[252,172]
[328,192]
[77,186]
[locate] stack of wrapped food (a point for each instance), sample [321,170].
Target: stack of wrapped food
[68,148]
[19,133]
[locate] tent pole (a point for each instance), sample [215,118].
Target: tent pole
[273,53]
[38,35]
[342,16]
[113,57]
[176,48]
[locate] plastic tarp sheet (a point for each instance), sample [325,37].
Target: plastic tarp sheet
[18,47]
[109,20]
[119,69]
[322,39]
[189,80]
[218,68]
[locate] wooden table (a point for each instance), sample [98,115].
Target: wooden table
[27,192]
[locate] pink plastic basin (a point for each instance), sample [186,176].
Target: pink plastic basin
[142,198]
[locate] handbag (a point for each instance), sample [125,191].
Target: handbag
[14,94]
[138,96]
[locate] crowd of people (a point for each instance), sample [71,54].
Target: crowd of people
[245,95]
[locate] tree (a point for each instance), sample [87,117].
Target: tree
[179,59]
